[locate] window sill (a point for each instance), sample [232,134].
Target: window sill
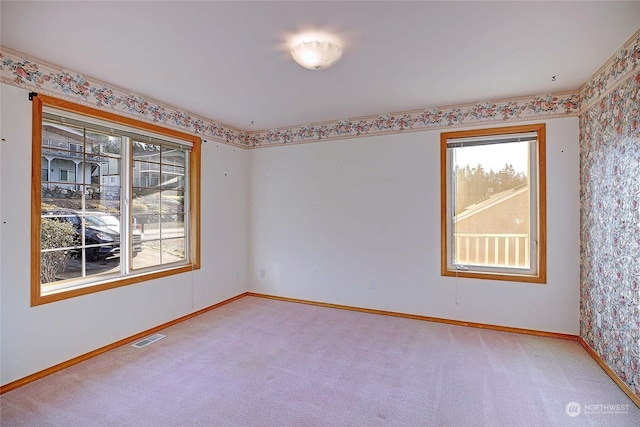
[496,276]
[45,297]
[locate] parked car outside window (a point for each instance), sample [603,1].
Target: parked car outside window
[101,233]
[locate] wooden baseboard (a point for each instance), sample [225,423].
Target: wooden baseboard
[424,318]
[624,386]
[45,372]
[41,374]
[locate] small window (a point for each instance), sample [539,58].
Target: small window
[493,203]
[75,149]
[67,175]
[108,228]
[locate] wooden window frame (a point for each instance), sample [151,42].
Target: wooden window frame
[38,102]
[540,277]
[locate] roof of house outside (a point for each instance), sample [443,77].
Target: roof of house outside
[489,202]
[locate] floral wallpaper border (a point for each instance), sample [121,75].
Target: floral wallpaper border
[612,73]
[529,108]
[21,70]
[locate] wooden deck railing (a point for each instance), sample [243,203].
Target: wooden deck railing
[500,250]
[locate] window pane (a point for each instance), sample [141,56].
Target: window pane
[53,265]
[108,171]
[162,241]
[100,143]
[146,201]
[494,220]
[59,137]
[102,235]
[82,196]
[83,259]
[491,205]
[170,227]
[173,156]
[172,202]
[173,177]
[146,152]
[149,257]
[109,191]
[83,245]
[158,252]
[146,174]
[173,250]
[56,197]
[149,225]
[103,198]
[57,240]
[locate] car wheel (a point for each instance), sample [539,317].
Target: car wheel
[92,254]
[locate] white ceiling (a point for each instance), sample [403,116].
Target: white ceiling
[226,61]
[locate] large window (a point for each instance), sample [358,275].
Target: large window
[115,201]
[493,203]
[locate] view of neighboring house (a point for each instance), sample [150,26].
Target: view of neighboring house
[67,169]
[495,230]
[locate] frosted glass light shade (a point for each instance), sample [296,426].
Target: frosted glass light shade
[316,55]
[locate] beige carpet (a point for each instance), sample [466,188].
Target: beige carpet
[260,362]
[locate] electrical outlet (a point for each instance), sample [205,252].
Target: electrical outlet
[599,320]
[263,274]
[372,285]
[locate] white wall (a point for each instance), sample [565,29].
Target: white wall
[35,338]
[330,218]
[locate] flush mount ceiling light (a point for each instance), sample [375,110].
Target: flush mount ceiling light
[316,55]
